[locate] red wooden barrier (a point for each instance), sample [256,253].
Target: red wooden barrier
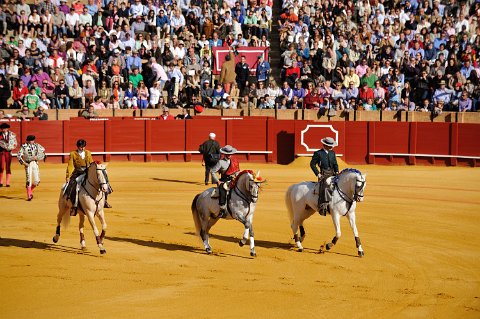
[259,139]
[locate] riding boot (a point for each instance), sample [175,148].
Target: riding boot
[106,204]
[222,201]
[7,181]
[223,211]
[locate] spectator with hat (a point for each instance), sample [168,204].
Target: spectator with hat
[28,155]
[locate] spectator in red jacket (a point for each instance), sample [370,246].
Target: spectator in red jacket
[365,93]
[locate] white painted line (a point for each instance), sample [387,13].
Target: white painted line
[424,155]
[312,126]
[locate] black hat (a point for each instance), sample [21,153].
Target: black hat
[4,125]
[30,138]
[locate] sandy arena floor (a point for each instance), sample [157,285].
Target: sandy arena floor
[419,227]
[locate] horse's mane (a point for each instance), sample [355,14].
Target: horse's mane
[234,181]
[350,170]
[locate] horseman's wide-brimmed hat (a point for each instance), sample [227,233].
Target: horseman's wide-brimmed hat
[328,141]
[4,125]
[228,149]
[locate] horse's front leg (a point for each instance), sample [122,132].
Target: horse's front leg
[81,226]
[351,219]
[336,222]
[248,234]
[101,217]
[91,219]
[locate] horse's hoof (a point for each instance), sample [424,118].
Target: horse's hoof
[103,251]
[253,254]
[241,243]
[329,246]
[55,240]
[208,250]
[300,250]
[361,254]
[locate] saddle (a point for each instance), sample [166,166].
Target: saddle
[71,188]
[216,193]
[322,186]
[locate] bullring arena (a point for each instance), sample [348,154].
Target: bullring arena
[417,224]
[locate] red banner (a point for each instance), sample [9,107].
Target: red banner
[250,53]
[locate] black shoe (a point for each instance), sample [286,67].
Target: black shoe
[7,185]
[107,205]
[222,213]
[1,185]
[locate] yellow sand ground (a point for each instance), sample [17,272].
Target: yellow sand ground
[419,227]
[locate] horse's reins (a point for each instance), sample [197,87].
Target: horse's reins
[247,198]
[99,184]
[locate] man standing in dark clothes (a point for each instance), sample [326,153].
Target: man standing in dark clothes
[210,149]
[327,161]
[242,70]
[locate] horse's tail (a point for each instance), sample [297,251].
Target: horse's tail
[288,202]
[196,216]
[63,209]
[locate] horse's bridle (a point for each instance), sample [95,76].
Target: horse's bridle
[103,170]
[356,195]
[249,198]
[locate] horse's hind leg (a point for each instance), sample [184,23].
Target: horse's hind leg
[298,241]
[303,234]
[56,237]
[204,233]
[351,219]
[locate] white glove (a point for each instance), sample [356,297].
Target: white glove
[319,175]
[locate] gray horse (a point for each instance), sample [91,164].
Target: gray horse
[302,202]
[241,206]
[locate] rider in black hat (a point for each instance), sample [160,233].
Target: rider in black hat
[326,160]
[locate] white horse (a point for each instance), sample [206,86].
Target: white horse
[302,202]
[91,198]
[240,205]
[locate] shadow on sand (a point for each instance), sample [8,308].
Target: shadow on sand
[12,197]
[171,246]
[157,244]
[258,243]
[21,243]
[175,181]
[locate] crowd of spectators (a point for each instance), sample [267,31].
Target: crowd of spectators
[336,54]
[121,53]
[396,55]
